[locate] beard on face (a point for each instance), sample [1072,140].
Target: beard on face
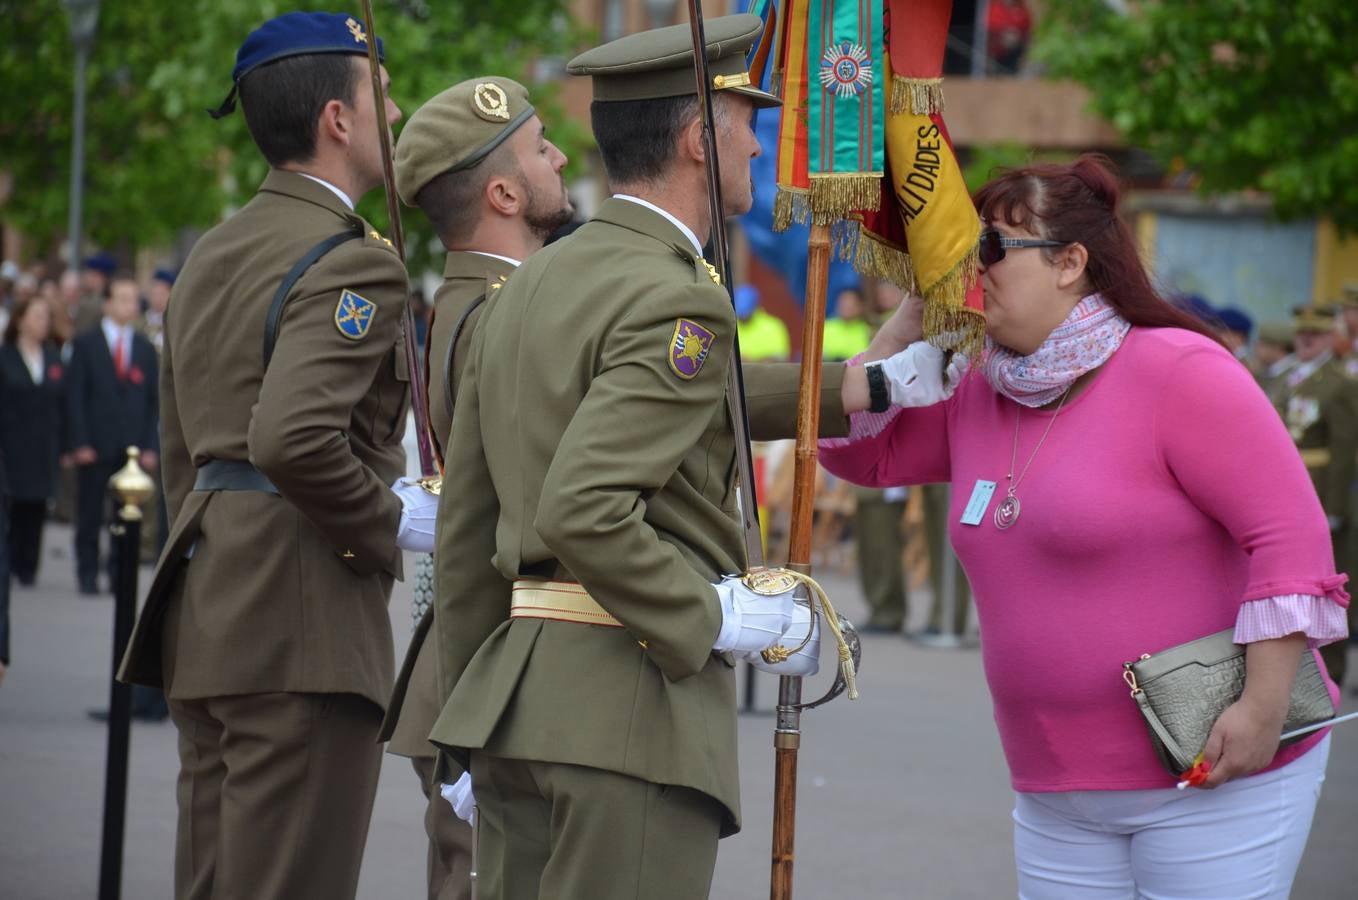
[543,217]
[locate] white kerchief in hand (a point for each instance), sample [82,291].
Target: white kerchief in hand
[459,797]
[419,509]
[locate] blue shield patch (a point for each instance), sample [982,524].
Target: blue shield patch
[354,315]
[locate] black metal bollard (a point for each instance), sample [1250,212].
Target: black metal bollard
[133,488]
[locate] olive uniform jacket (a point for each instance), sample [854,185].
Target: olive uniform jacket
[467,278]
[1321,414]
[256,591]
[592,443]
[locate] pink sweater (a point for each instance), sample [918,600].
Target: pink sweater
[1166,494]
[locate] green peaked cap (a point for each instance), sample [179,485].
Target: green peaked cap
[651,65]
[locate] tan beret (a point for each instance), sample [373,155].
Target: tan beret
[658,63]
[457,129]
[1313,318]
[1279,333]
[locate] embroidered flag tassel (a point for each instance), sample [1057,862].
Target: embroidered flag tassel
[920,96]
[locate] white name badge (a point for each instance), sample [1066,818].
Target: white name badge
[980,499]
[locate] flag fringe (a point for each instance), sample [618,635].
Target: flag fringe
[835,195]
[949,323]
[791,204]
[920,96]
[871,256]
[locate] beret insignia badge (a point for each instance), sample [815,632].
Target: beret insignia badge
[356,30]
[354,315]
[689,348]
[491,102]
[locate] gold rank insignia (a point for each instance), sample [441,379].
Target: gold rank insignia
[712,271]
[490,101]
[356,30]
[378,237]
[354,315]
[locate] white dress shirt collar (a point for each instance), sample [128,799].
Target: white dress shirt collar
[337,192]
[113,332]
[688,232]
[513,262]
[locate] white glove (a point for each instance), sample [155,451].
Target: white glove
[750,621]
[459,797]
[804,662]
[419,508]
[916,376]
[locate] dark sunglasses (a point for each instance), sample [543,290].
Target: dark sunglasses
[993,244]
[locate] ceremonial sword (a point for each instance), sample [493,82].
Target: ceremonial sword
[419,397]
[787,731]
[419,400]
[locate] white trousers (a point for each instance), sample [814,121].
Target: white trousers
[1242,841]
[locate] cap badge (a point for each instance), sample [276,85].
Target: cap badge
[689,347]
[845,69]
[491,101]
[356,30]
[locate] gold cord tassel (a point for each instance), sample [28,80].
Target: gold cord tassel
[920,96]
[830,619]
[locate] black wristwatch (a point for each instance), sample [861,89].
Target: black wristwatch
[879,398]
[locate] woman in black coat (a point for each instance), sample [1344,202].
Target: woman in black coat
[32,389]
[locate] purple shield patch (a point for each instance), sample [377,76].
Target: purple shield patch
[689,348]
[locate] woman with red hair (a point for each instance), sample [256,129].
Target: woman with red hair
[1121,486]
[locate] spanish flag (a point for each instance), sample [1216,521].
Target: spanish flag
[863,147]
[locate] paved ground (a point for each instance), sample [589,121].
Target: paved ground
[903,794]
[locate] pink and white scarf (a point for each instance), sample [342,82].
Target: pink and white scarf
[1084,341]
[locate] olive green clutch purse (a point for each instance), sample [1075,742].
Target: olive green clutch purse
[1181,692]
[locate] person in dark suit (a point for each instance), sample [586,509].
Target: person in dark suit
[32,388]
[4,569]
[111,404]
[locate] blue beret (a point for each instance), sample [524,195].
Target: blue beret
[1234,319]
[1197,305]
[747,300]
[164,275]
[296,34]
[102,262]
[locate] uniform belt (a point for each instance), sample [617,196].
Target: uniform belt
[1315,457]
[231,475]
[560,601]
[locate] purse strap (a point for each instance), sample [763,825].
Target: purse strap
[1182,761]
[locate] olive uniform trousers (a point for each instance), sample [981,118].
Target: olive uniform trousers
[880,534]
[448,861]
[935,524]
[298,818]
[575,832]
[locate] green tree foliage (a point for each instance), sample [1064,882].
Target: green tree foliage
[156,163]
[1246,94]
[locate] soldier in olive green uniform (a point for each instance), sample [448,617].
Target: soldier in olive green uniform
[1272,357]
[1319,404]
[589,514]
[476,160]
[283,405]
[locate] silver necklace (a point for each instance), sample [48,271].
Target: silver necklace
[1007,513]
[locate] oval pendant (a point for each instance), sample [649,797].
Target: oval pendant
[1007,513]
